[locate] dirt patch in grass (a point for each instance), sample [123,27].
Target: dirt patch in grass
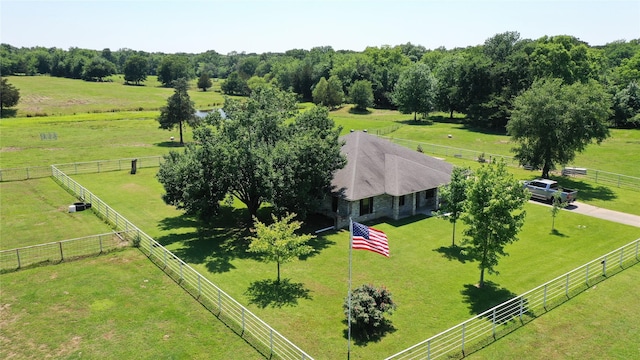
[10,149]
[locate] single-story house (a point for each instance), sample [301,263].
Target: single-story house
[383,179]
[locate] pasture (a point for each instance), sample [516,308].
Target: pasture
[432,282]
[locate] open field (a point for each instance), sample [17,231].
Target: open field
[115,306]
[45,95]
[37,211]
[431,282]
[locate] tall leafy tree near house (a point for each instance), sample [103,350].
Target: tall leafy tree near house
[263,151]
[415,91]
[494,214]
[552,121]
[179,109]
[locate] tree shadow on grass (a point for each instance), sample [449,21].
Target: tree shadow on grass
[586,191]
[264,293]
[459,253]
[362,337]
[355,111]
[555,232]
[215,244]
[486,297]
[170,144]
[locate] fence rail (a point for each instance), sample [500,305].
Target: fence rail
[59,251]
[87,167]
[494,323]
[226,308]
[604,177]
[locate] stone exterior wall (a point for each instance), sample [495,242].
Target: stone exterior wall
[383,206]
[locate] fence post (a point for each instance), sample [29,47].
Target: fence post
[637,243]
[544,298]
[493,320]
[18,255]
[98,166]
[181,277]
[604,266]
[521,308]
[243,319]
[429,349]
[219,301]
[200,286]
[27,173]
[566,288]
[586,280]
[100,239]
[61,253]
[463,328]
[271,339]
[164,255]
[621,256]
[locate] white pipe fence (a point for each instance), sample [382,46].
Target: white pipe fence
[494,323]
[244,322]
[597,176]
[59,251]
[87,167]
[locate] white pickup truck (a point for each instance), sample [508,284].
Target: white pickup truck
[543,189]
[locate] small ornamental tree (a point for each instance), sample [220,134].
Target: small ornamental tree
[557,205]
[278,242]
[453,196]
[369,304]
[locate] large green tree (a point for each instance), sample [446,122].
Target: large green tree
[278,242]
[552,121]
[494,214]
[174,67]
[135,69]
[453,196]
[361,94]
[97,69]
[328,93]
[9,94]
[179,109]
[415,91]
[265,151]
[204,82]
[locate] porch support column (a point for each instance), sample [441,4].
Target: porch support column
[414,206]
[396,207]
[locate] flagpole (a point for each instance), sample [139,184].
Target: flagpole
[349,297]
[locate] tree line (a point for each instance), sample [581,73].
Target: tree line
[480,81]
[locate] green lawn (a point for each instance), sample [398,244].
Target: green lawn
[596,324]
[115,306]
[429,281]
[37,211]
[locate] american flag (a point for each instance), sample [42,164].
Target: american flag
[368,238]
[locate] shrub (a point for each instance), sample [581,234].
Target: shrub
[369,304]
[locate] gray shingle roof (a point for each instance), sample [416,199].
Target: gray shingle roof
[376,166]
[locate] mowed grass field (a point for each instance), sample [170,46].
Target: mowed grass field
[115,306]
[319,282]
[432,283]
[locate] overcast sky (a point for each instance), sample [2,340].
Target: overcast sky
[259,26]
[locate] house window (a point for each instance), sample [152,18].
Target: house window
[401,201]
[366,206]
[429,194]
